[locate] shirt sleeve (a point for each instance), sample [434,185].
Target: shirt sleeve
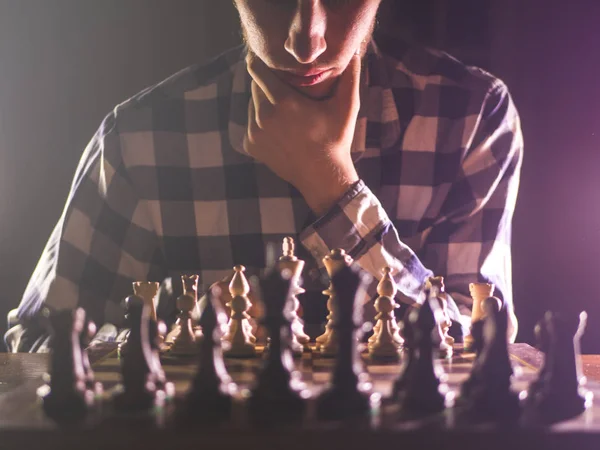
[102,242]
[468,242]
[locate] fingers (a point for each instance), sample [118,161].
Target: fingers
[348,88]
[274,89]
[262,107]
[252,130]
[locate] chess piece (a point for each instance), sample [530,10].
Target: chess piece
[486,396]
[438,289]
[327,343]
[88,331]
[559,392]
[279,395]
[209,399]
[348,394]
[294,265]
[423,394]
[65,398]
[409,353]
[386,340]
[139,371]
[239,337]
[184,336]
[147,291]
[479,292]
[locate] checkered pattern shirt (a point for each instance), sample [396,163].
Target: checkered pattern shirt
[165,187]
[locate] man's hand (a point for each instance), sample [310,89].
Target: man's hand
[304,141]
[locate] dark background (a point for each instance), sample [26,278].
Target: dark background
[65,63]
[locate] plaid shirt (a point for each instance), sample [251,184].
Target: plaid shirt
[165,187]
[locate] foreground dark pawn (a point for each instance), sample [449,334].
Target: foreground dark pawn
[348,395]
[408,356]
[209,398]
[88,332]
[66,398]
[422,396]
[278,395]
[486,396]
[138,363]
[558,393]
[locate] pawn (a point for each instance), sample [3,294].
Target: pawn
[279,395]
[88,331]
[209,399]
[386,340]
[65,398]
[486,396]
[184,336]
[239,337]
[328,341]
[139,371]
[348,394]
[409,354]
[436,284]
[288,261]
[423,393]
[559,392]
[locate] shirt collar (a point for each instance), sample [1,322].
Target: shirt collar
[378,125]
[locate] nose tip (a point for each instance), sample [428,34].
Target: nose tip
[306,49]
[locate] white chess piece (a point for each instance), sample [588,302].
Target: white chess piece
[294,265]
[184,337]
[479,292]
[239,335]
[386,340]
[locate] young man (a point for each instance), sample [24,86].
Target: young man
[401,156]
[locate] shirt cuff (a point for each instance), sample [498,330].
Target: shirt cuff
[346,225]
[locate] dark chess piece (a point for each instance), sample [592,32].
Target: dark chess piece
[408,359]
[209,398]
[558,393]
[279,395]
[486,396]
[65,398]
[88,331]
[139,372]
[423,389]
[348,395]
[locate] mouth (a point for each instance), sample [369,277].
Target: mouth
[300,79]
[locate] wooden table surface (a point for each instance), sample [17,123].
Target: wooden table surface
[21,374]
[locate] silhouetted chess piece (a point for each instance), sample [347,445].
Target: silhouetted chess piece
[486,396]
[184,335]
[424,392]
[327,343]
[88,331]
[140,370]
[559,392]
[408,354]
[438,290]
[65,398]
[288,261]
[348,394]
[279,395]
[209,399]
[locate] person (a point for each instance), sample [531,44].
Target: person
[317,127]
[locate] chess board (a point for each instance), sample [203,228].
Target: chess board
[23,424]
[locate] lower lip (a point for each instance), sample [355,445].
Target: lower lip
[301,81]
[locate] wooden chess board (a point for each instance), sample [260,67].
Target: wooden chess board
[23,424]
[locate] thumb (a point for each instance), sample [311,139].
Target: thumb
[348,89]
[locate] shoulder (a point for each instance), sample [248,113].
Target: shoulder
[197,82]
[433,71]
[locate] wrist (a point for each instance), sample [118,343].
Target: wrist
[324,198]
